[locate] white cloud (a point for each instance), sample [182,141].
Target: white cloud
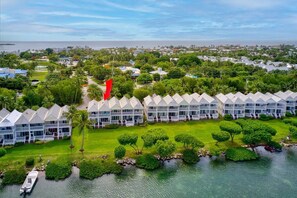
[130,7]
[73,14]
[5,18]
[252,4]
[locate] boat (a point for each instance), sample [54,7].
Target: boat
[29,183]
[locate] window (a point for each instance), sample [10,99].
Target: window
[115,118]
[38,133]
[8,137]
[65,130]
[104,120]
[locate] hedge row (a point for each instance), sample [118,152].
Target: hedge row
[190,156]
[240,154]
[58,170]
[16,176]
[250,126]
[148,162]
[2,152]
[91,169]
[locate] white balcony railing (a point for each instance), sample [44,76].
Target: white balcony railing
[36,127]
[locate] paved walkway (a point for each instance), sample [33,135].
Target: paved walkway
[86,98]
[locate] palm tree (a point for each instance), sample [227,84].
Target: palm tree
[70,115]
[82,122]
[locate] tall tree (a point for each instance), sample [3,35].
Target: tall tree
[230,127]
[70,115]
[82,122]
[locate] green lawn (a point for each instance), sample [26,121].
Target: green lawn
[39,75]
[103,141]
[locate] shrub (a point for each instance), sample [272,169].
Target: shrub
[92,169]
[287,120]
[288,114]
[58,170]
[66,137]
[293,131]
[119,152]
[240,154]
[147,161]
[220,136]
[250,126]
[19,144]
[112,126]
[16,176]
[275,145]
[230,127]
[228,117]
[2,152]
[265,117]
[294,123]
[29,161]
[190,157]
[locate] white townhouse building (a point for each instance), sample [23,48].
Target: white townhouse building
[275,105]
[208,106]
[150,109]
[183,111]
[231,104]
[251,105]
[175,108]
[193,111]
[290,99]
[125,111]
[30,125]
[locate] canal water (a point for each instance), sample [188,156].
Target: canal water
[274,175]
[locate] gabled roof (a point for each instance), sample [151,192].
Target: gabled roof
[207,98]
[103,105]
[114,103]
[36,118]
[6,123]
[159,101]
[29,114]
[224,99]
[53,113]
[64,110]
[190,100]
[3,113]
[170,101]
[179,99]
[274,98]
[125,103]
[22,120]
[14,116]
[148,101]
[135,103]
[288,95]
[243,97]
[42,112]
[93,106]
[195,97]
[256,98]
[235,99]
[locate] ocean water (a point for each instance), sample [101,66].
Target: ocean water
[23,46]
[274,175]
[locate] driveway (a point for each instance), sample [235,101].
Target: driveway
[86,98]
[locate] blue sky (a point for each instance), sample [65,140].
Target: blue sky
[87,20]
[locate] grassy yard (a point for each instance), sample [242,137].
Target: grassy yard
[39,75]
[103,141]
